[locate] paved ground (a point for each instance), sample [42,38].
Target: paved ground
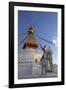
[23,75]
[47,75]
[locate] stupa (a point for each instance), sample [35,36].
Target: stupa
[29,57]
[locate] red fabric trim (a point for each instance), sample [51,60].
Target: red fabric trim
[31,45]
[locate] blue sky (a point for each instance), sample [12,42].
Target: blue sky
[45,25]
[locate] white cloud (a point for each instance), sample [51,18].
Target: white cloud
[55,42]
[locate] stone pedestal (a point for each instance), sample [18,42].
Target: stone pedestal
[36,69]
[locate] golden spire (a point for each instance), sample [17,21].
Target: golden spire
[30,42]
[31,30]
